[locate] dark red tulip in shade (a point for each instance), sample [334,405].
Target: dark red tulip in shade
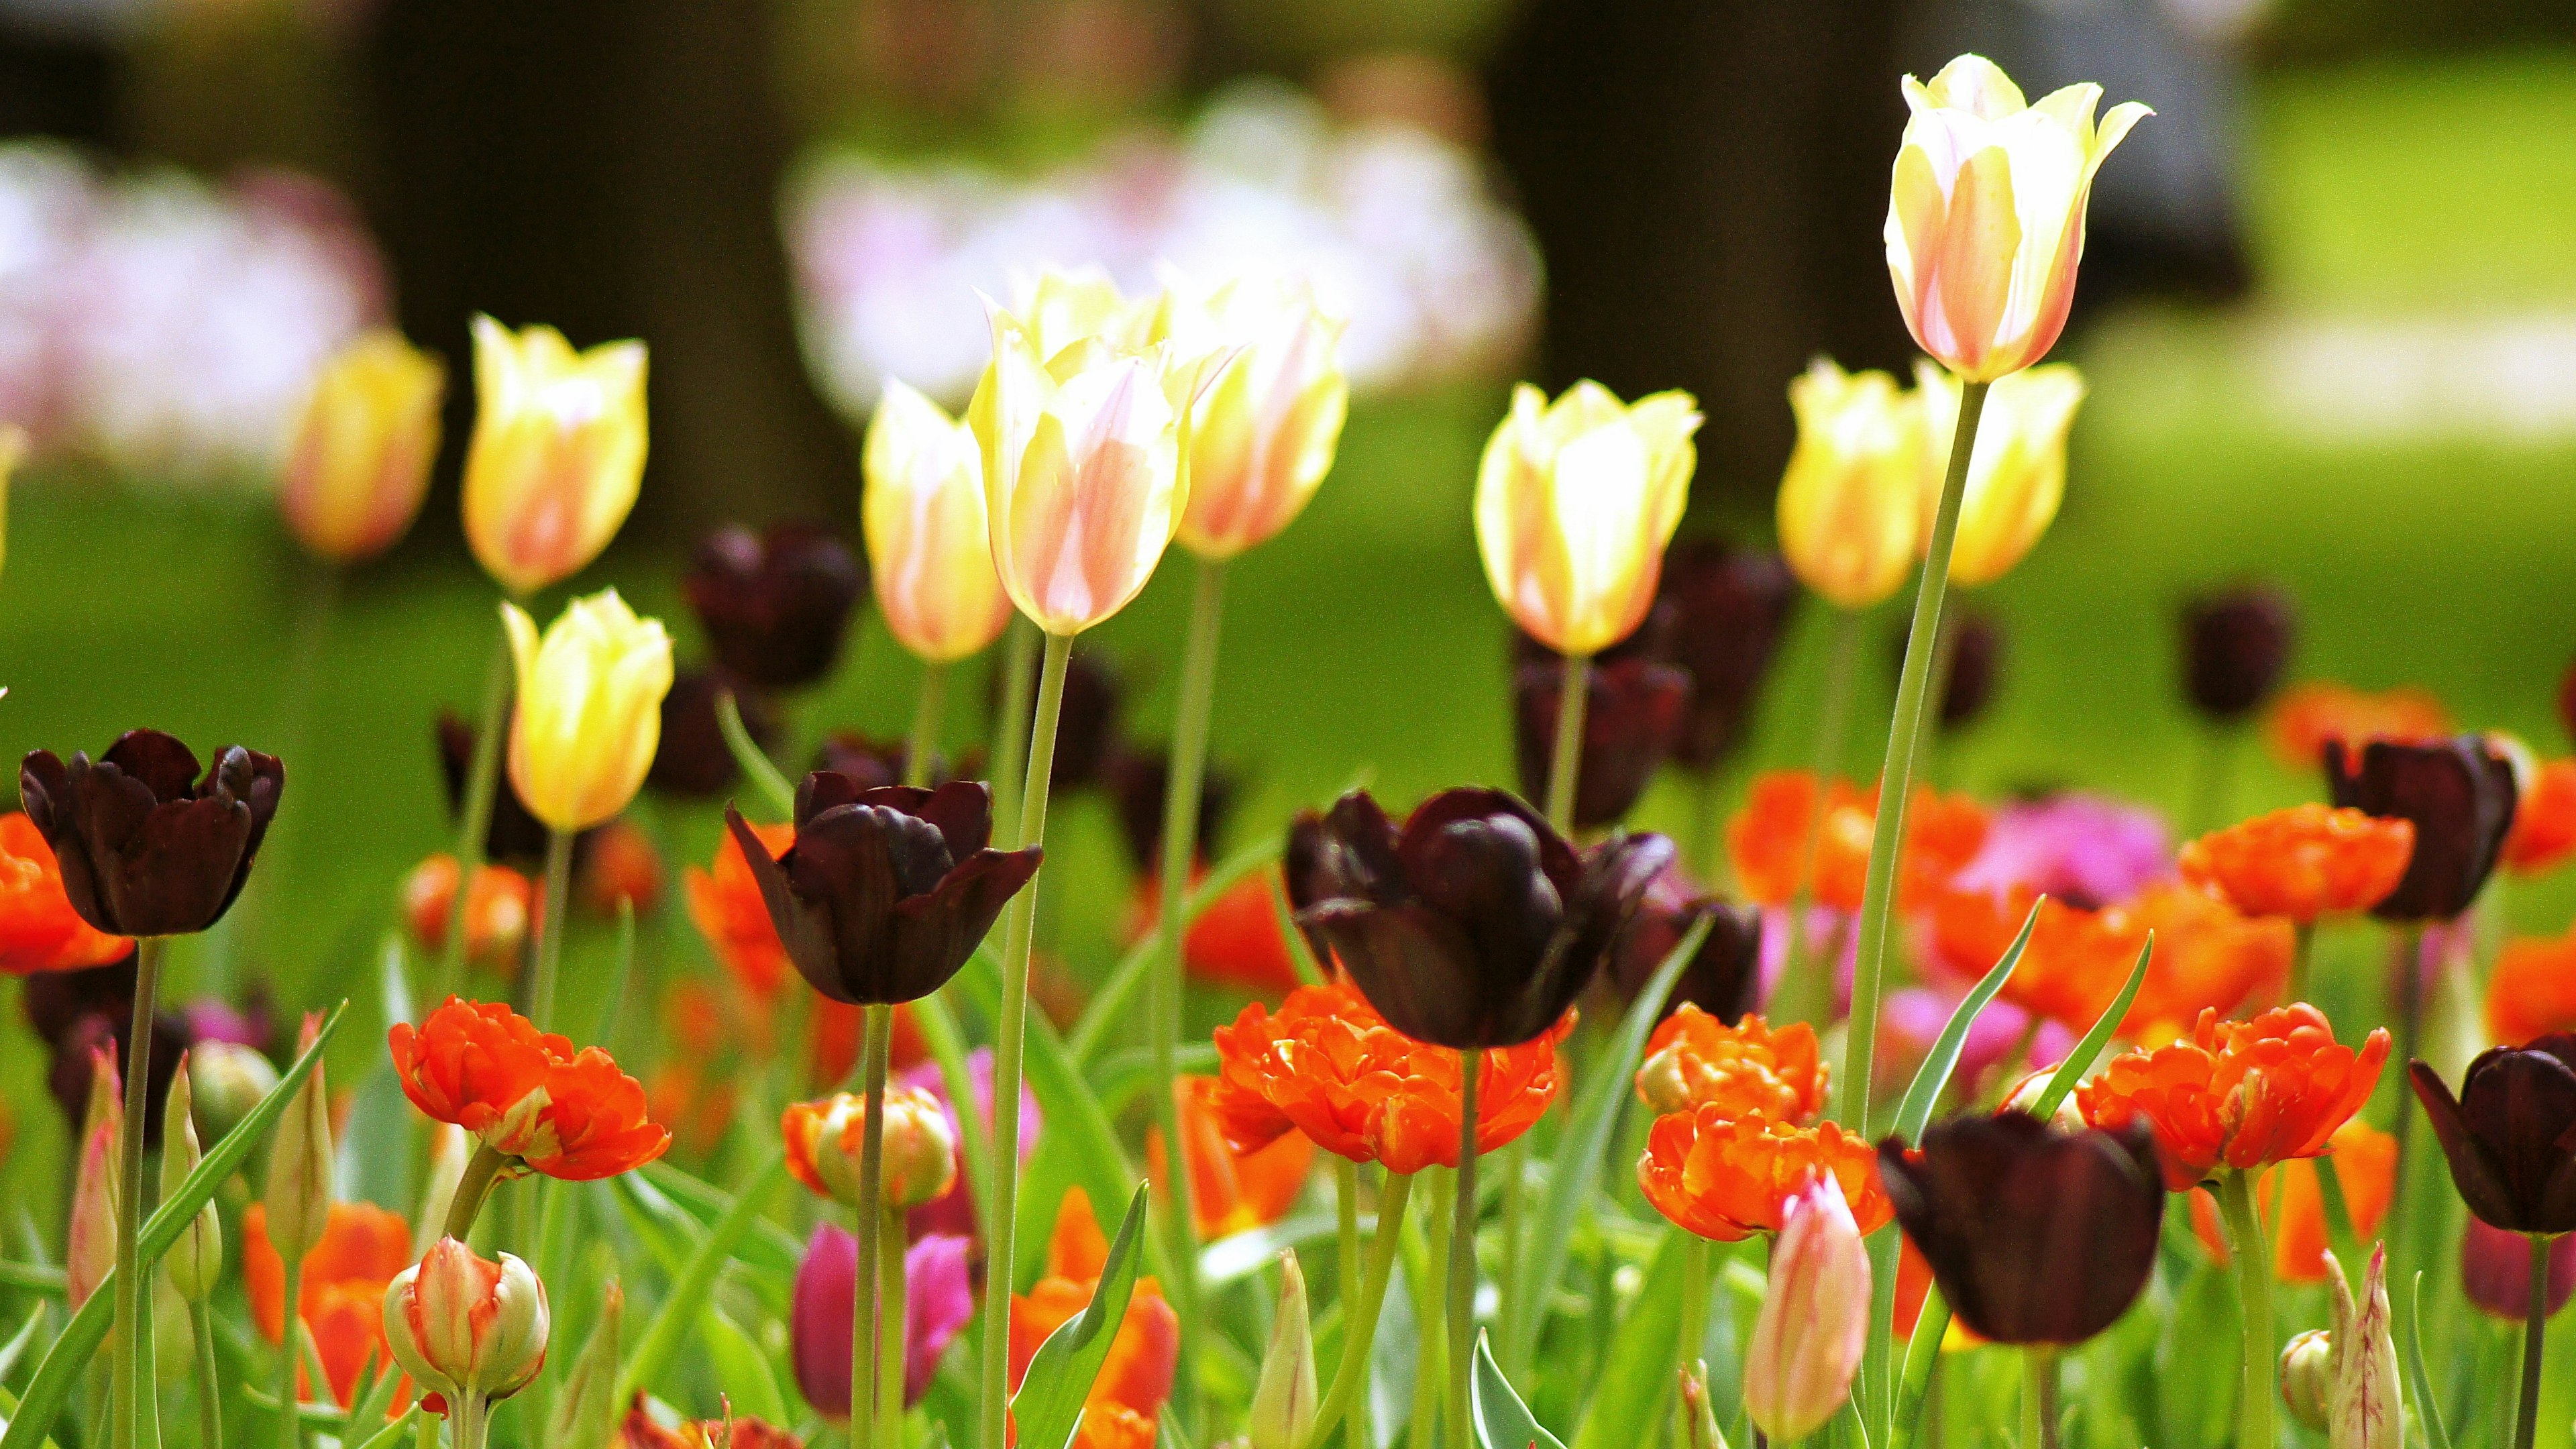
[775,604]
[1976,646]
[1306,877]
[2459,794]
[1632,717]
[1473,925]
[2035,1235]
[2495,1270]
[515,835]
[885,892]
[693,758]
[2235,647]
[1137,780]
[2510,1135]
[1723,979]
[1729,608]
[74,1041]
[147,847]
[1086,733]
[874,762]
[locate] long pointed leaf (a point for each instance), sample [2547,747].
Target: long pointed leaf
[2080,1060]
[690,1292]
[392,1433]
[1502,1420]
[1628,1399]
[1048,1407]
[1933,1077]
[2428,1413]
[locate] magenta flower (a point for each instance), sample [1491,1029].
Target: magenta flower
[953,1212]
[938,1299]
[1911,1020]
[2086,850]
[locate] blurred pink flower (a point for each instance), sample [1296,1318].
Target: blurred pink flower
[939,1297]
[2086,850]
[953,1211]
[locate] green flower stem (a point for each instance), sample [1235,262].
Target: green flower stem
[1813,1002]
[1019,926]
[290,1352]
[2214,784]
[2039,1397]
[1462,1256]
[1018,668]
[469,1422]
[1183,784]
[2253,1262]
[867,1313]
[923,744]
[1346,1258]
[1565,759]
[1359,1313]
[130,1397]
[1431,1337]
[550,928]
[210,1387]
[2407,963]
[2304,940]
[482,784]
[473,1188]
[1896,789]
[1696,1273]
[2535,1324]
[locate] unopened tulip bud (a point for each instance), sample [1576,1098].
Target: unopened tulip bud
[1284,1402]
[451,1148]
[589,710]
[1264,430]
[930,550]
[89,1254]
[2362,1406]
[1814,1322]
[196,1258]
[467,1327]
[359,463]
[2307,1377]
[557,454]
[299,1163]
[824,1140]
[2016,475]
[228,1080]
[1699,1419]
[1850,510]
[586,1412]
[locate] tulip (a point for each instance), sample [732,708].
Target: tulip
[588,711]
[534,1103]
[1726,1177]
[1730,607]
[1268,417]
[774,605]
[196,1259]
[823,1140]
[1284,1399]
[886,892]
[2363,1410]
[1748,1069]
[2235,646]
[1139,785]
[2189,1092]
[496,911]
[2016,471]
[39,930]
[1062,307]
[1724,979]
[468,1329]
[2459,793]
[90,1251]
[229,1081]
[1814,1321]
[2505,1133]
[1575,501]
[585,1410]
[938,1299]
[557,452]
[692,757]
[930,550]
[297,1202]
[1630,721]
[1475,925]
[1985,213]
[359,463]
[147,848]
[2495,1271]
[2307,1377]
[1851,523]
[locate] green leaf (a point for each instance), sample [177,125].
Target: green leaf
[1123,1077]
[1576,1169]
[695,1286]
[774,788]
[742,1368]
[70,1357]
[392,1433]
[1627,1402]
[1048,1407]
[1922,1354]
[2419,1385]
[769,1248]
[1933,1077]
[1502,1420]
[2080,1060]
[666,1229]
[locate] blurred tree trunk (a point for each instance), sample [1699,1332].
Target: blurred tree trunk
[612,167]
[1708,181]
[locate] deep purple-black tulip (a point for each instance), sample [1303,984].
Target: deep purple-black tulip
[2510,1136]
[75,1045]
[693,758]
[1137,781]
[1632,717]
[1730,606]
[2459,794]
[1724,977]
[1474,925]
[2235,647]
[1086,732]
[148,848]
[885,892]
[774,604]
[1976,646]
[2035,1235]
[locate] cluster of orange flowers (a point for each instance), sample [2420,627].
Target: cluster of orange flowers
[525,1093]
[342,1296]
[1771,839]
[2238,1094]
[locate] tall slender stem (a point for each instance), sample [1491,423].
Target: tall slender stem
[2535,1325]
[472,1188]
[2253,1261]
[474,823]
[1833,722]
[921,748]
[1430,1380]
[290,1354]
[2039,1397]
[210,1387]
[1359,1314]
[1346,1260]
[867,1343]
[130,1397]
[893,1308]
[1018,667]
[1019,926]
[1462,1255]
[550,928]
[1694,1323]
[1895,790]
[1184,780]
[1565,757]
[2407,961]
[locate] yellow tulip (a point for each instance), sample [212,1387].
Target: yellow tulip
[359,463]
[1575,501]
[557,454]
[2017,473]
[930,551]
[1263,433]
[589,709]
[1083,468]
[1064,306]
[1851,523]
[1985,214]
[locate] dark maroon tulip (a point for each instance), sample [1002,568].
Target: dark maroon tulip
[2495,1269]
[69,1075]
[1723,979]
[2235,646]
[515,836]
[2459,794]
[1138,780]
[1306,877]
[1086,732]
[885,892]
[56,1000]
[147,848]
[774,604]
[1632,716]
[693,758]
[1730,608]
[1475,925]
[2510,1135]
[1976,647]
[874,762]
[2567,701]
[2035,1235]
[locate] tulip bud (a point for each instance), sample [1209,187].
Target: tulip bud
[299,1162]
[1284,1402]
[586,1410]
[2307,1377]
[229,1081]
[2235,646]
[1263,432]
[557,453]
[930,550]
[89,1254]
[1814,1322]
[824,1140]
[359,463]
[1976,645]
[1851,519]
[196,1259]
[2016,475]
[1575,501]
[589,708]
[450,1148]
[467,1327]
[1699,1420]
[2363,1411]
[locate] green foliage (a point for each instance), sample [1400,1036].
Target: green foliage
[1048,1407]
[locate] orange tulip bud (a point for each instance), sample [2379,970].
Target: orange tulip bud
[465,1327]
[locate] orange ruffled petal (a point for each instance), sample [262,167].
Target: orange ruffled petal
[1727,1179]
[2241,1094]
[2302,863]
[1749,1069]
